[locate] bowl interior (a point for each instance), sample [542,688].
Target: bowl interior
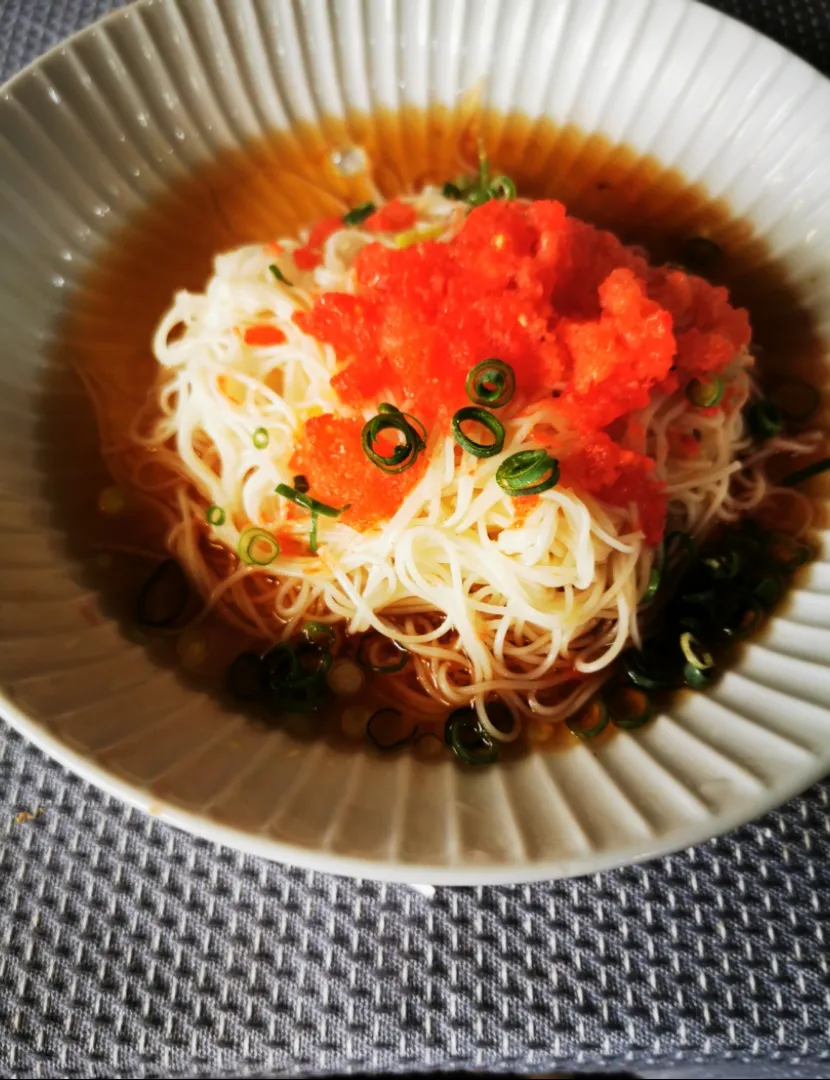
[97,132]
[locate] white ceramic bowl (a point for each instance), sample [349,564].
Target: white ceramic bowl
[95,129]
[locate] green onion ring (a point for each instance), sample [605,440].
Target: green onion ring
[380,669]
[473,414]
[698,678]
[705,393]
[374,729]
[724,566]
[491,383]
[765,420]
[590,721]
[629,707]
[215,515]
[404,454]
[529,472]
[261,438]
[249,538]
[502,187]
[468,740]
[695,653]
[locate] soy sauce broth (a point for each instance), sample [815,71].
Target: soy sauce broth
[274,187]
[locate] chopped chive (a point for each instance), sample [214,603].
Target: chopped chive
[215,515]
[590,721]
[261,438]
[473,414]
[491,383]
[404,454]
[807,473]
[502,187]
[389,728]
[365,659]
[468,739]
[695,653]
[164,596]
[765,420]
[314,506]
[257,547]
[529,472]
[359,214]
[629,707]
[705,393]
[278,274]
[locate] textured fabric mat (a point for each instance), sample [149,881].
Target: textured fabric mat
[130,950]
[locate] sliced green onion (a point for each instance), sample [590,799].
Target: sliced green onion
[477,197]
[403,455]
[314,505]
[629,707]
[788,553]
[765,420]
[650,671]
[318,633]
[451,190]
[289,683]
[468,739]
[698,678]
[705,393]
[215,515]
[502,187]
[796,400]
[491,383]
[312,532]
[278,274]
[359,214]
[695,653]
[530,472]
[389,728]
[473,414]
[164,597]
[261,438]
[807,473]
[769,591]
[653,585]
[257,547]
[590,721]
[245,677]
[364,654]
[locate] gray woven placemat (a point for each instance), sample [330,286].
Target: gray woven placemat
[130,950]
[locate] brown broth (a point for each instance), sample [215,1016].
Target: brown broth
[275,186]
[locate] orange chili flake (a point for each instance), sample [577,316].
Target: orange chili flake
[264,334]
